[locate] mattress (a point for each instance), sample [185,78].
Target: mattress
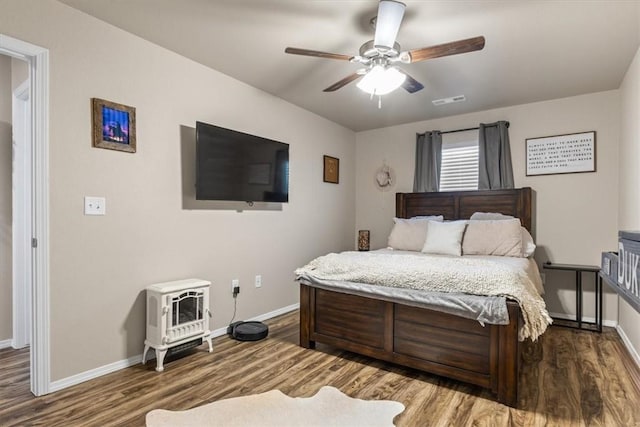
[333,273]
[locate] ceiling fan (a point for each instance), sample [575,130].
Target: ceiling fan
[379,56]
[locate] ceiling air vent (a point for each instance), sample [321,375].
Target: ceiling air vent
[458,98]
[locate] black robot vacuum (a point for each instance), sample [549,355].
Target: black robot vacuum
[248,331]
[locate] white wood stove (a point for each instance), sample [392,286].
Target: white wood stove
[177,316]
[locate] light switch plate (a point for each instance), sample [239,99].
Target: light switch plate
[95,205]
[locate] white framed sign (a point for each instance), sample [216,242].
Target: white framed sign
[570,153]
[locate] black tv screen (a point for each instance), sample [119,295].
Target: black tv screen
[236,166]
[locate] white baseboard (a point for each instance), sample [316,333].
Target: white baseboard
[94,373]
[5,344]
[121,364]
[276,313]
[605,322]
[627,343]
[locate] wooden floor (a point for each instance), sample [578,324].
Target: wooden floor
[571,378]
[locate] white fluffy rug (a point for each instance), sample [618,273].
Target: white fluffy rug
[329,407]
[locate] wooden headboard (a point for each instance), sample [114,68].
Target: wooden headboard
[462,204]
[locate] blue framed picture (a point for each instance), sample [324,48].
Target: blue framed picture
[114,126]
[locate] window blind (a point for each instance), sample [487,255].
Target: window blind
[459,169]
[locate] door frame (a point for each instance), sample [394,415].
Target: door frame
[38,59]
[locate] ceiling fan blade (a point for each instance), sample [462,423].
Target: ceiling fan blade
[390,13]
[316,53]
[410,84]
[343,82]
[446,49]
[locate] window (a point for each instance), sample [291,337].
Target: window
[459,169]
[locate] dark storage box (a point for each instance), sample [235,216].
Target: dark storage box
[628,269]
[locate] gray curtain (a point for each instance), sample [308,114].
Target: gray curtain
[494,157]
[428,161]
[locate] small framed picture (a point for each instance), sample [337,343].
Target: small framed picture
[114,126]
[363,240]
[331,169]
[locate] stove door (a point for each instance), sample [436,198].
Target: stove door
[186,307]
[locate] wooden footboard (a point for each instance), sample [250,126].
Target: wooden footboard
[434,342]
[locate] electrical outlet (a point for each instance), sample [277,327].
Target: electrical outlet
[235,283]
[95,205]
[258,281]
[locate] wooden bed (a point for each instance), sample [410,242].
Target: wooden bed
[434,342]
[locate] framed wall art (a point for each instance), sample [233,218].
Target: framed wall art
[559,154]
[114,125]
[331,170]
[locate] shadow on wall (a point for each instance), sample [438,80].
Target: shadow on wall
[188,168]
[534,216]
[560,288]
[135,326]
[555,284]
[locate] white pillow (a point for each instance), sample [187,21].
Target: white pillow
[444,238]
[409,234]
[495,237]
[528,246]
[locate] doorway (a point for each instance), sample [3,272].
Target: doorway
[36,221]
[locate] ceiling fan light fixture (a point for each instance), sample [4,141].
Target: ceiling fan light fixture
[381,80]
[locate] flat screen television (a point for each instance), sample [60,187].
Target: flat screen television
[236,166]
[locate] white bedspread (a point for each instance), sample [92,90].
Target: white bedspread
[493,276]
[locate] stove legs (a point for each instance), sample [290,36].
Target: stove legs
[144,353]
[160,354]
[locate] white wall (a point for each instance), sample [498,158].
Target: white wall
[6,331]
[629,173]
[574,213]
[100,265]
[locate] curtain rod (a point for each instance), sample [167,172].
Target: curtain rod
[467,129]
[459,130]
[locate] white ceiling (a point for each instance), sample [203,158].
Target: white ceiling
[535,50]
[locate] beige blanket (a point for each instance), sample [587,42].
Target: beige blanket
[441,273]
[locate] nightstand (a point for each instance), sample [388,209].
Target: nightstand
[579,270]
